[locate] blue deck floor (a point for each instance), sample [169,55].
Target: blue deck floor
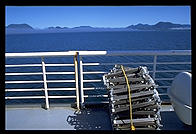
[57,119]
[67,118]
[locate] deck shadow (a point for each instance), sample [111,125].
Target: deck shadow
[90,119]
[170,121]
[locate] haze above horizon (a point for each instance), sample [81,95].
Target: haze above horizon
[95,16]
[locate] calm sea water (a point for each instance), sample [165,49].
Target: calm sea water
[44,42]
[151,40]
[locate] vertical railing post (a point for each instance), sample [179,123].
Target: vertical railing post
[45,84]
[76,80]
[154,66]
[81,82]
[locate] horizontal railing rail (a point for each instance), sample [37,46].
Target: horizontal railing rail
[80,79]
[93,53]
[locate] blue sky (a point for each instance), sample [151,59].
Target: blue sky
[96,16]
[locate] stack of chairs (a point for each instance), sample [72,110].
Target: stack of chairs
[145,101]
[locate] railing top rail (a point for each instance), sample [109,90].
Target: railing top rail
[39,54]
[91,53]
[150,52]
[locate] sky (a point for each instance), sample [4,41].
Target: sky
[95,16]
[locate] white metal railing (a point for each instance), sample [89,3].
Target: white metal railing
[80,73]
[44,73]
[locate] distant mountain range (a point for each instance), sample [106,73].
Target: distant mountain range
[160,26]
[19,26]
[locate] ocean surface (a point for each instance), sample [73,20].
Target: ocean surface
[137,40]
[59,42]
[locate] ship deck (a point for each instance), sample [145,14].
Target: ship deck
[34,117]
[87,87]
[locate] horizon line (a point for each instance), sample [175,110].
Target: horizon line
[96,26]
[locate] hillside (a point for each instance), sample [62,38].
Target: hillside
[160,26]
